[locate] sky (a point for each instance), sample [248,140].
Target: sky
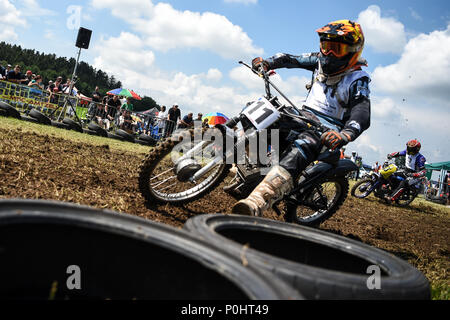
[187,52]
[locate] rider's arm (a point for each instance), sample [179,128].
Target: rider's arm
[308,61]
[359,104]
[420,164]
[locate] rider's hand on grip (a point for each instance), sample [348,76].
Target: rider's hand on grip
[260,62]
[334,140]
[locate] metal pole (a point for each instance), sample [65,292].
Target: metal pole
[71,85]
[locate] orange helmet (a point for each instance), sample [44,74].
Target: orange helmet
[341,46]
[413,147]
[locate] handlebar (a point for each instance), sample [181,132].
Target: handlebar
[264,74]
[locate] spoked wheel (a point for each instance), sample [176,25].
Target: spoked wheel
[361,189]
[322,202]
[406,198]
[161,181]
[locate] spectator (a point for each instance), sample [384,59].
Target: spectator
[8,69]
[114,104]
[205,123]
[162,119]
[96,96]
[2,72]
[128,106]
[187,121]
[49,84]
[36,83]
[199,121]
[16,76]
[105,118]
[54,89]
[126,122]
[174,114]
[66,85]
[29,76]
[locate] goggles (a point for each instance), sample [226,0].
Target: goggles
[338,49]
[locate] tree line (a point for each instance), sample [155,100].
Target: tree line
[49,66]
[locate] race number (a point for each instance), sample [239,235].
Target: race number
[262,113]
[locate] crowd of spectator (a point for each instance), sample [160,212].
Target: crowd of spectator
[106,110]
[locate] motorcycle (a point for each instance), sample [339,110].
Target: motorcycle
[176,174]
[384,183]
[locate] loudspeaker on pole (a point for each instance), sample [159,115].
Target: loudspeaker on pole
[84,38]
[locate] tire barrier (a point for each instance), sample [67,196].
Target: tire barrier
[9,110]
[40,117]
[320,265]
[125,135]
[98,130]
[60,251]
[73,125]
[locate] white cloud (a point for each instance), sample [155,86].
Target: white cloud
[31,8]
[242,1]
[423,69]
[117,57]
[382,34]
[10,18]
[163,28]
[415,15]
[214,75]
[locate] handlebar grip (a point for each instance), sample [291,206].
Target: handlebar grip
[232,122]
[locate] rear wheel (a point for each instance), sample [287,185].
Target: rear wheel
[320,204]
[407,197]
[361,189]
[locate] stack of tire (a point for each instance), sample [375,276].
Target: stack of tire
[214,257]
[318,264]
[52,250]
[36,116]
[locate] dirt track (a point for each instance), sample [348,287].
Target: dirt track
[42,167]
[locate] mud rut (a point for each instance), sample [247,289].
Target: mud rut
[41,167]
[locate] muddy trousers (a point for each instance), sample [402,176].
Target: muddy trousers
[301,152]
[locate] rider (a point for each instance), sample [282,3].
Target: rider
[415,167]
[338,98]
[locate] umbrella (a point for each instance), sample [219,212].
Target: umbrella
[215,118]
[125,93]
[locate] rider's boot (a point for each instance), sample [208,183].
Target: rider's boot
[275,185]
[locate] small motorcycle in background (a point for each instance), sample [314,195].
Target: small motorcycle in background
[383,184]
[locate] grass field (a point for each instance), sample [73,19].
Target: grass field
[41,162]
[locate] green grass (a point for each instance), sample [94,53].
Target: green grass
[24,126]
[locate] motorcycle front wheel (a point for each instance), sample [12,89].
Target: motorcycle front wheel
[330,195]
[159,183]
[361,189]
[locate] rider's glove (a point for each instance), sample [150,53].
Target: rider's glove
[334,140]
[392,155]
[257,62]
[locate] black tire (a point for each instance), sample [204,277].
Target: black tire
[355,189]
[119,257]
[3,113]
[147,138]
[10,111]
[29,119]
[60,125]
[407,197]
[320,265]
[319,216]
[152,160]
[125,135]
[40,117]
[99,130]
[73,125]
[115,137]
[143,143]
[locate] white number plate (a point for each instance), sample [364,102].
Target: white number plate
[262,113]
